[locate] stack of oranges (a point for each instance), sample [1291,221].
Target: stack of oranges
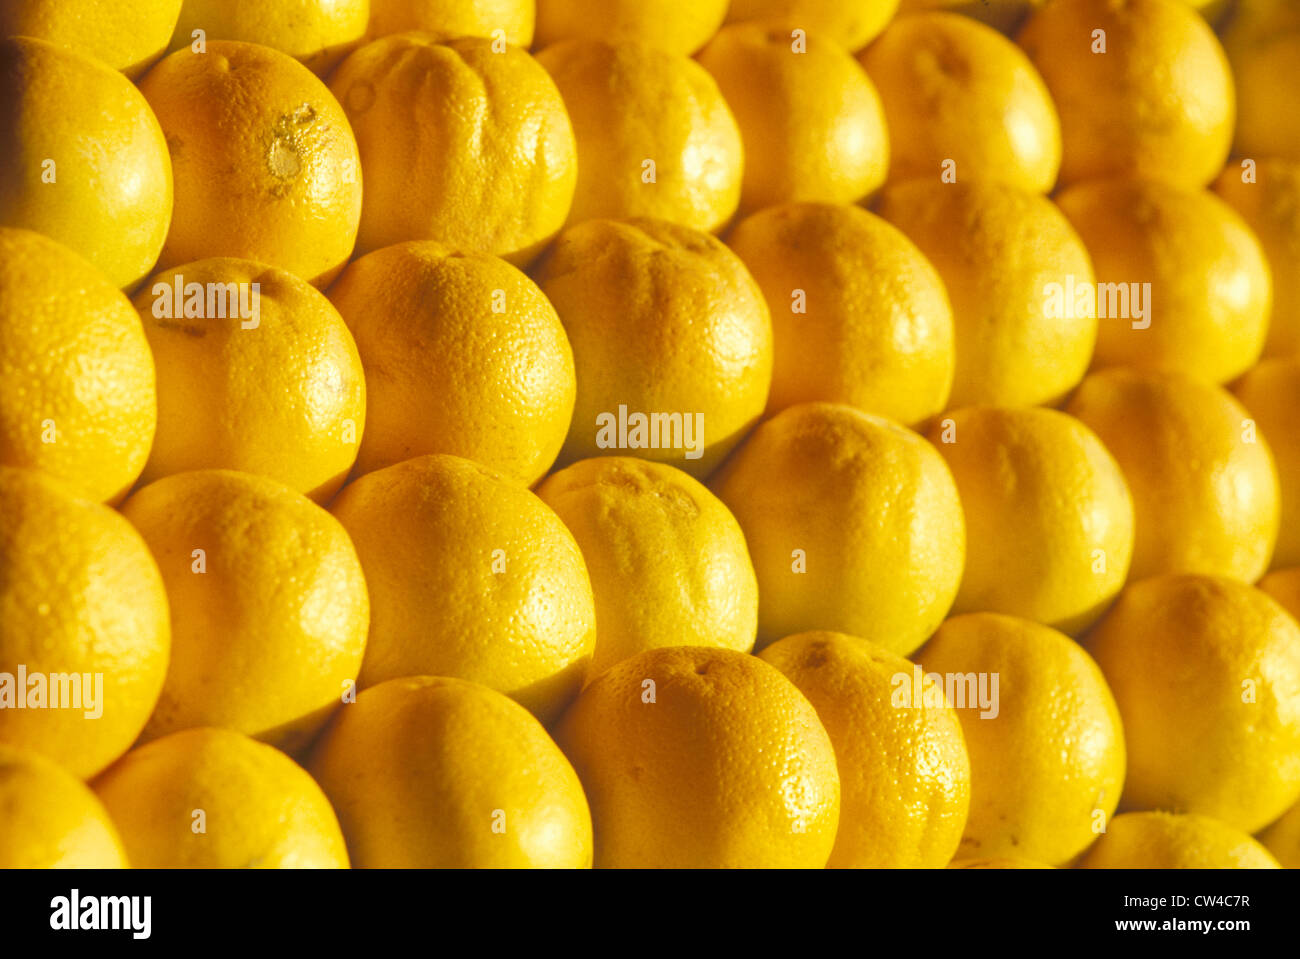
[684,433]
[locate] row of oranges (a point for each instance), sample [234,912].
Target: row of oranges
[377,348]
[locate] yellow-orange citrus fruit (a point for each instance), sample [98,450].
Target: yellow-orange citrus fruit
[256,372]
[472,576]
[1271,394]
[1002,15]
[515,19]
[84,159]
[957,92]
[1284,586]
[655,137]
[265,163]
[1182,283]
[1042,731]
[859,315]
[77,390]
[1270,205]
[126,36]
[83,625]
[1212,10]
[459,144]
[853,524]
[852,23]
[1168,840]
[1262,40]
[51,820]
[811,123]
[672,341]
[675,26]
[317,33]
[463,355]
[268,605]
[1206,672]
[694,757]
[668,562]
[1002,862]
[432,772]
[904,773]
[1009,261]
[1049,518]
[1205,492]
[1142,87]
[215,799]
[1282,839]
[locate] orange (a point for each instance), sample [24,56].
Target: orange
[1002,15]
[318,33]
[853,524]
[437,773]
[266,166]
[463,355]
[675,26]
[1167,840]
[904,773]
[1046,753]
[1262,40]
[1049,518]
[278,392]
[667,560]
[1271,394]
[84,160]
[811,123]
[472,576]
[669,331]
[1205,491]
[859,315]
[459,144]
[1206,672]
[1282,839]
[1008,260]
[1156,103]
[52,821]
[126,36]
[268,605]
[1212,10]
[1284,586]
[695,757]
[655,137]
[83,615]
[78,396]
[215,799]
[852,23]
[1270,205]
[1189,261]
[960,97]
[1002,862]
[514,19]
